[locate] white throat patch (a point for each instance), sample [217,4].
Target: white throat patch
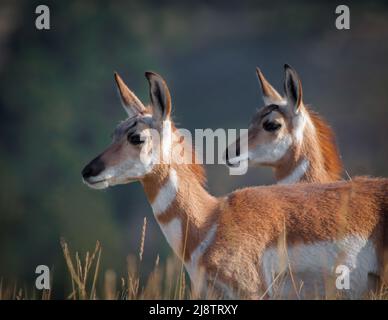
[166,194]
[296,174]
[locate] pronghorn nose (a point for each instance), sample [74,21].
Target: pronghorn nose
[94,168]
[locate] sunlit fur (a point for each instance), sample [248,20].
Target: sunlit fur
[304,137]
[327,146]
[232,244]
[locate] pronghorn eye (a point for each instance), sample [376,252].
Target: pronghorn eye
[135,139]
[271,125]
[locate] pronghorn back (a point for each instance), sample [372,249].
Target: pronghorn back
[303,218]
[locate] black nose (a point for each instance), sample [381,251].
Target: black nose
[227,157]
[94,168]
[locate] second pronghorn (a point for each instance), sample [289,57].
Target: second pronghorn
[289,137]
[237,244]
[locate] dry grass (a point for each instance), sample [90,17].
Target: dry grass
[166,281]
[79,271]
[161,283]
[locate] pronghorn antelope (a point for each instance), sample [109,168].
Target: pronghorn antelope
[235,244]
[287,136]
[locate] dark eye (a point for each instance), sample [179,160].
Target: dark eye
[271,125]
[135,139]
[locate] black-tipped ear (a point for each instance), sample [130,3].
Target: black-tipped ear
[293,88]
[132,105]
[270,95]
[160,96]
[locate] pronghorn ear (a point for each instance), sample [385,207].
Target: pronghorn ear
[130,102]
[293,88]
[270,95]
[160,97]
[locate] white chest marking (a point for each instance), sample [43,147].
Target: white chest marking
[166,194]
[314,264]
[297,173]
[173,233]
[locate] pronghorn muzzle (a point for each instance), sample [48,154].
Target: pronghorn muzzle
[93,168]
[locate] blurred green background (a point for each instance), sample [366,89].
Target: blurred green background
[58,105]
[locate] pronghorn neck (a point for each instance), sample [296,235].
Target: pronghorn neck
[314,156]
[303,166]
[297,173]
[183,208]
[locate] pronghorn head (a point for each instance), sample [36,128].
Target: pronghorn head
[276,128]
[137,141]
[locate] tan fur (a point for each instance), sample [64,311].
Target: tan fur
[327,145]
[253,219]
[196,216]
[317,146]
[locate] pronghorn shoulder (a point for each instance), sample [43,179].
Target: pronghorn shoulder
[299,189]
[304,200]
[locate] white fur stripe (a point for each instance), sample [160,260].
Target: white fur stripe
[297,174]
[173,233]
[166,194]
[192,267]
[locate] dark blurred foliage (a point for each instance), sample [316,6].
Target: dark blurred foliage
[58,105]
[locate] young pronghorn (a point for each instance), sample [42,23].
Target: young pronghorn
[286,135]
[236,244]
